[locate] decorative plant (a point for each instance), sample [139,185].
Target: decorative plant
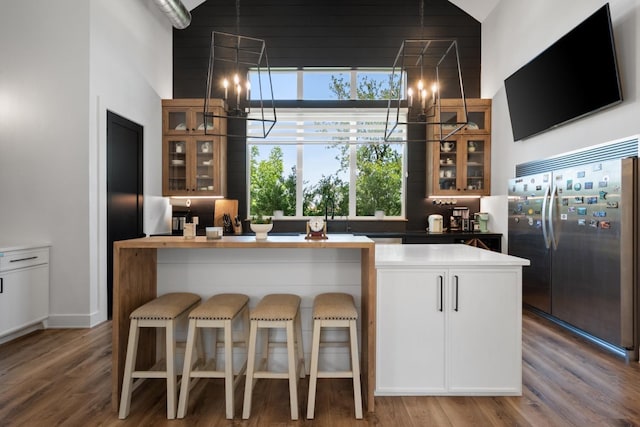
[260,219]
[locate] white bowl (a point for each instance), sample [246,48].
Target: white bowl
[261,230]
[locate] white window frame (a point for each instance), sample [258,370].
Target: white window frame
[302,129]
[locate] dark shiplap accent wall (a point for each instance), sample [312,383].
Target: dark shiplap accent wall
[324,33]
[327,33]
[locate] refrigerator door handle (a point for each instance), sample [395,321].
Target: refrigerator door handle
[545,235]
[554,194]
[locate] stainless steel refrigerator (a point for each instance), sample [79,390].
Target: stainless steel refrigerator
[578,227]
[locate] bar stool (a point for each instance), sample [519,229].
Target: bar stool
[334,310]
[219,311]
[276,311]
[161,312]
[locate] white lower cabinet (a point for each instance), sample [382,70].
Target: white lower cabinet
[449,331]
[24,291]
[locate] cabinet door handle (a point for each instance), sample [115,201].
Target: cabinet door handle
[455,307]
[441,280]
[24,259]
[1,285]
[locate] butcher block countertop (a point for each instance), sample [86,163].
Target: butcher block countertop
[299,241]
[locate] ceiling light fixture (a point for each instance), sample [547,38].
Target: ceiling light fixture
[240,75]
[433,68]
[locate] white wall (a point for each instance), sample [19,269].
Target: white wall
[44,127]
[513,34]
[518,30]
[63,64]
[131,71]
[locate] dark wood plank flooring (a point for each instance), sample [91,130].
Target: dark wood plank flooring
[62,377]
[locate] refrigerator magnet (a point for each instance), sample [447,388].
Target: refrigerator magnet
[602,183]
[582,211]
[580,174]
[563,217]
[569,184]
[603,195]
[592,200]
[577,186]
[572,209]
[605,225]
[582,221]
[612,205]
[578,199]
[593,223]
[588,185]
[600,214]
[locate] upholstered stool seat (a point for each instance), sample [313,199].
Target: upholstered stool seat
[161,312]
[335,310]
[276,311]
[219,312]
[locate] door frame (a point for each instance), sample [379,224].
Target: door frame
[113,119]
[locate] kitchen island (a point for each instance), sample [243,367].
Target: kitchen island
[147,267]
[449,321]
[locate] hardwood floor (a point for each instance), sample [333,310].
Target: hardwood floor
[62,377]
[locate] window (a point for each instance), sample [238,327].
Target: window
[333,161]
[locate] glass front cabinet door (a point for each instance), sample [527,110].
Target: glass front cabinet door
[193,166]
[186,117]
[460,166]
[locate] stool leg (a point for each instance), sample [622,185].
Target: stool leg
[313,372]
[228,369]
[298,329]
[186,371]
[355,368]
[129,367]
[251,359]
[172,391]
[293,374]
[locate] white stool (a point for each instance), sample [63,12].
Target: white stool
[276,311]
[334,310]
[161,312]
[219,311]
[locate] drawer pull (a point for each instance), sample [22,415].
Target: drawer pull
[24,259]
[441,307]
[456,286]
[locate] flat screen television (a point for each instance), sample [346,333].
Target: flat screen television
[574,77]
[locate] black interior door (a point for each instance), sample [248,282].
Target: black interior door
[124,188]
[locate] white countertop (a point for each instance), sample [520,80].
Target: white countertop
[442,255]
[10,246]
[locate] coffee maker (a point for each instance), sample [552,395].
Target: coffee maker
[459,220]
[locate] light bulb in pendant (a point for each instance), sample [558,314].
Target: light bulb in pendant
[225,84]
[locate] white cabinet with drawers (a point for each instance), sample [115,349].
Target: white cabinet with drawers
[24,290]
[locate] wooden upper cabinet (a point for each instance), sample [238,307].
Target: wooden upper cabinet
[460,165]
[186,117]
[478,115]
[193,164]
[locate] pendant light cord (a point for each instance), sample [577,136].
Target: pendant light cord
[421,19]
[237,16]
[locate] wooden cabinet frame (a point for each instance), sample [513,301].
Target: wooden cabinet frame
[461,166]
[187,168]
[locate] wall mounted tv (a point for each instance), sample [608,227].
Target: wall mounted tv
[575,76]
